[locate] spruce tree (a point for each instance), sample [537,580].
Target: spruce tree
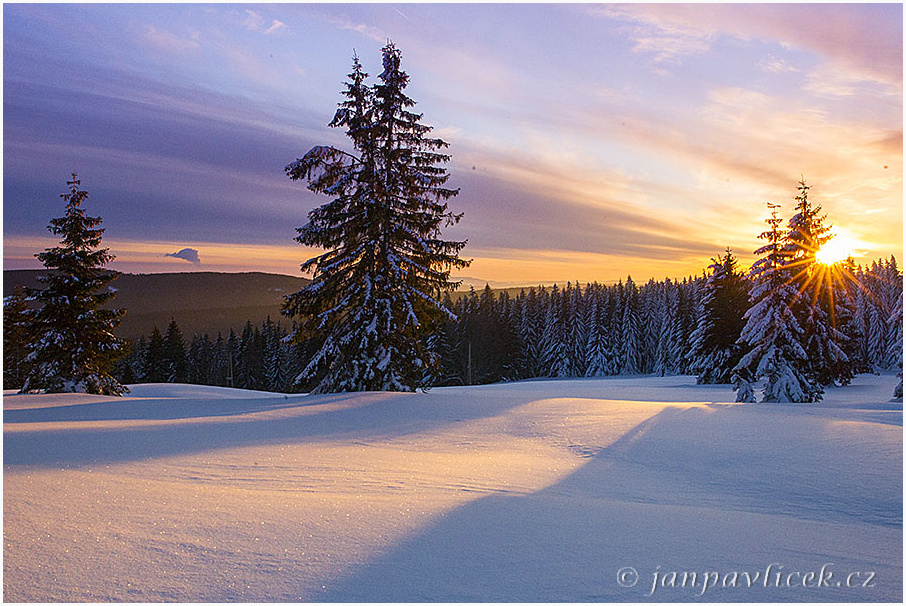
[74,349]
[157,368]
[385,268]
[668,352]
[137,358]
[688,309]
[578,327]
[531,328]
[893,302]
[772,332]
[248,367]
[275,356]
[814,303]
[631,355]
[840,300]
[554,346]
[220,364]
[895,353]
[15,338]
[177,363]
[599,357]
[715,348]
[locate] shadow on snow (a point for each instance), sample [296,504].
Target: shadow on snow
[699,489]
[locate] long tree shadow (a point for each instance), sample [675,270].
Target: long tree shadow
[651,502]
[382,415]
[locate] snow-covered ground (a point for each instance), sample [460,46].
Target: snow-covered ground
[578,490]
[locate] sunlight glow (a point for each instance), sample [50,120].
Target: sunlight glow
[834,251]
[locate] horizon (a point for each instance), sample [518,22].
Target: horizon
[465,282]
[589,143]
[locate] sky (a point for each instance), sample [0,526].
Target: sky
[589,142]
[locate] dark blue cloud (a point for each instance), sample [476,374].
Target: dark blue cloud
[146,164]
[186,254]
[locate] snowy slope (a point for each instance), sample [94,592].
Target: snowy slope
[533,491]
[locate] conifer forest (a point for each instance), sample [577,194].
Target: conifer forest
[564,331]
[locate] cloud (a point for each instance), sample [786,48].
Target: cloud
[859,38]
[371,32]
[775,65]
[667,40]
[275,25]
[830,80]
[168,41]
[186,254]
[256,23]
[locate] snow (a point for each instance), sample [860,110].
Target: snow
[532,491]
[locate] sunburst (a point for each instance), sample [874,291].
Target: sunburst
[825,272]
[834,251]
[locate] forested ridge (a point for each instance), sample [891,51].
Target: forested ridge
[555,331]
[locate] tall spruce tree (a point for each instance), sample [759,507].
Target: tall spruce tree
[156,367]
[385,267]
[715,349]
[631,354]
[177,362]
[772,331]
[814,303]
[74,349]
[599,357]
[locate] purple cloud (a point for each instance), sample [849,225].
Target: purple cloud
[186,254]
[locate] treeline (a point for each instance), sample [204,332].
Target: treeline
[625,329]
[572,331]
[544,332]
[259,357]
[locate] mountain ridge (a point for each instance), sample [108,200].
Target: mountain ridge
[200,302]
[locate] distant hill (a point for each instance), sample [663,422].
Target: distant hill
[199,301]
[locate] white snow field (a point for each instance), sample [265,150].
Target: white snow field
[616,489]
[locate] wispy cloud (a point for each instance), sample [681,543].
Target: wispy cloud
[368,31]
[169,42]
[664,39]
[830,80]
[776,65]
[859,38]
[257,23]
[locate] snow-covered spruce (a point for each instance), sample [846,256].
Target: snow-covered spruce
[715,347]
[772,331]
[74,347]
[817,293]
[379,283]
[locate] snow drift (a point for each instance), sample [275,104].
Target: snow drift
[584,490]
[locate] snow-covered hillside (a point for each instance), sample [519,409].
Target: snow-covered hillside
[578,490]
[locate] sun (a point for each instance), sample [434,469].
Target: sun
[834,250]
